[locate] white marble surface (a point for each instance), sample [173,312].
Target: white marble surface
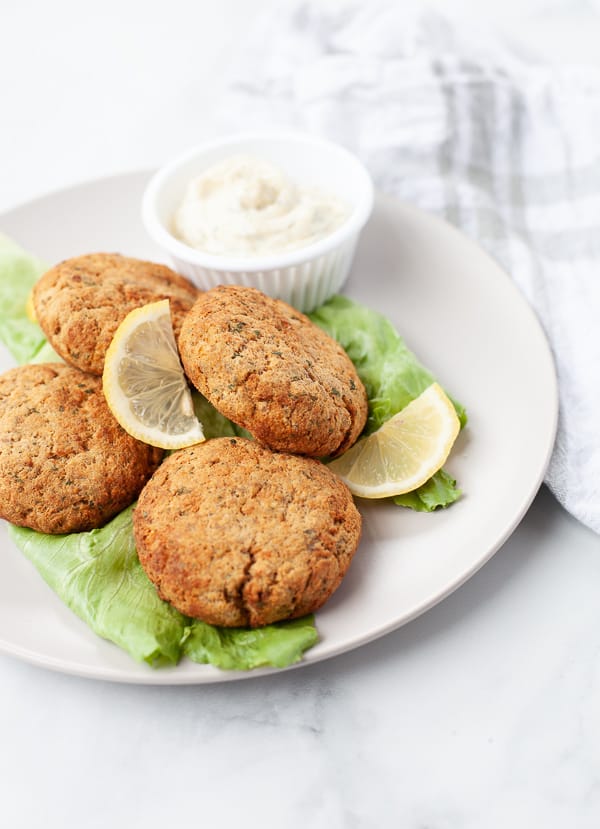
[481,714]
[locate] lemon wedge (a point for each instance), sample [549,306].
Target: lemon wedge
[144,383]
[403,453]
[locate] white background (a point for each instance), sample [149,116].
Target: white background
[482,713]
[95,88]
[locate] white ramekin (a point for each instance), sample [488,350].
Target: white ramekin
[305,277]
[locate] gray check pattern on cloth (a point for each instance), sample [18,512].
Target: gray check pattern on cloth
[507,149]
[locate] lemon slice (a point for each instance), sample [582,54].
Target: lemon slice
[144,383]
[403,453]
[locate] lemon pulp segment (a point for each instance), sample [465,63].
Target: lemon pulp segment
[144,383]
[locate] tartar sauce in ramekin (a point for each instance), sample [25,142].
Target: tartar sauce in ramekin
[245,206]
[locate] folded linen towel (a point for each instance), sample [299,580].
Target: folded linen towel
[504,148]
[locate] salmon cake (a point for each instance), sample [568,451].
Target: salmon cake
[65,463]
[268,368]
[237,535]
[80,302]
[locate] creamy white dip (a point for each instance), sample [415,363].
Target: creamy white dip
[245,206]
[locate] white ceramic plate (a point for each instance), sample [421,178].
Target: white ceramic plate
[465,320]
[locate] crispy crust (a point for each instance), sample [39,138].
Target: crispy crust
[236,535]
[80,302]
[65,463]
[267,367]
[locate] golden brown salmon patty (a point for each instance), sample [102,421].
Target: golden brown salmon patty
[268,368]
[236,535]
[65,463]
[80,302]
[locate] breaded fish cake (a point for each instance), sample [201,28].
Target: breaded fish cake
[268,368]
[235,534]
[65,463]
[80,302]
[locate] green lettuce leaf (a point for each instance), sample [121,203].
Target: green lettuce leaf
[391,373]
[18,273]
[98,575]
[275,645]
[438,491]
[392,376]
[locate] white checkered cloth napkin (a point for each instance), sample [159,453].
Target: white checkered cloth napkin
[507,149]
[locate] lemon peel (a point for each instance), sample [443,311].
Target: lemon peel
[144,383]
